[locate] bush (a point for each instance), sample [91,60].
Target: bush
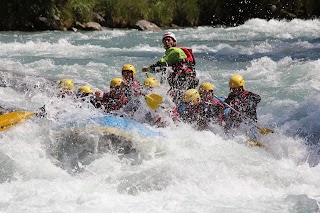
[22,14]
[160,12]
[124,13]
[186,13]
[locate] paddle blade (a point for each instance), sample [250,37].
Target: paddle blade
[11,119]
[255,143]
[153,101]
[264,131]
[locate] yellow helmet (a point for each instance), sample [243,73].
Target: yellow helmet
[205,86]
[191,95]
[66,84]
[131,68]
[236,81]
[150,83]
[116,82]
[85,90]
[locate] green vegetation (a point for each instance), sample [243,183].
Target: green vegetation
[60,14]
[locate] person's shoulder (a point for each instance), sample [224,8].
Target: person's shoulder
[106,94]
[230,96]
[175,49]
[251,93]
[253,96]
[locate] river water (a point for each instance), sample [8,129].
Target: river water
[189,170]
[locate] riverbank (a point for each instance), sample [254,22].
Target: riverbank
[39,15]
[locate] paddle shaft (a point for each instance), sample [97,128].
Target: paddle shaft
[262,130]
[228,105]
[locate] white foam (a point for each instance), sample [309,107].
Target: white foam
[188,170]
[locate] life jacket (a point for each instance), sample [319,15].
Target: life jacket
[191,59]
[134,84]
[183,76]
[112,104]
[213,110]
[246,104]
[239,102]
[133,88]
[184,68]
[189,113]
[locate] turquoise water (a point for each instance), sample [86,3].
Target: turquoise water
[189,171]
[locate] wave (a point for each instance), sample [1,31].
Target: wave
[188,169]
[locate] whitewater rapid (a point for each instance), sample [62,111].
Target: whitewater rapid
[189,170]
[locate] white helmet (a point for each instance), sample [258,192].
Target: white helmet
[169,34]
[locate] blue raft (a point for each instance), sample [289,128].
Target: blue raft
[80,142]
[119,125]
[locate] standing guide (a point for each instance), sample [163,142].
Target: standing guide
[182,61]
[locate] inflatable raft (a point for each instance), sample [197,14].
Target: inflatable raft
[116,125]
[81,142]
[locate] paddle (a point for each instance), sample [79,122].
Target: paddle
[262,131]
[153,100]
[13,118]
[253,142]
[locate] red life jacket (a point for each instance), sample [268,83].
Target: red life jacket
[112,104]
[133,88]
[183,68]
[218,105]
[191,59]
[239,101]
[134,84]
[240,104]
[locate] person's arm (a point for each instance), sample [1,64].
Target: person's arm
[255,97]
[172,56]
[228,99]
[221,115]
[251,109]
[152,68]
[253,100]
